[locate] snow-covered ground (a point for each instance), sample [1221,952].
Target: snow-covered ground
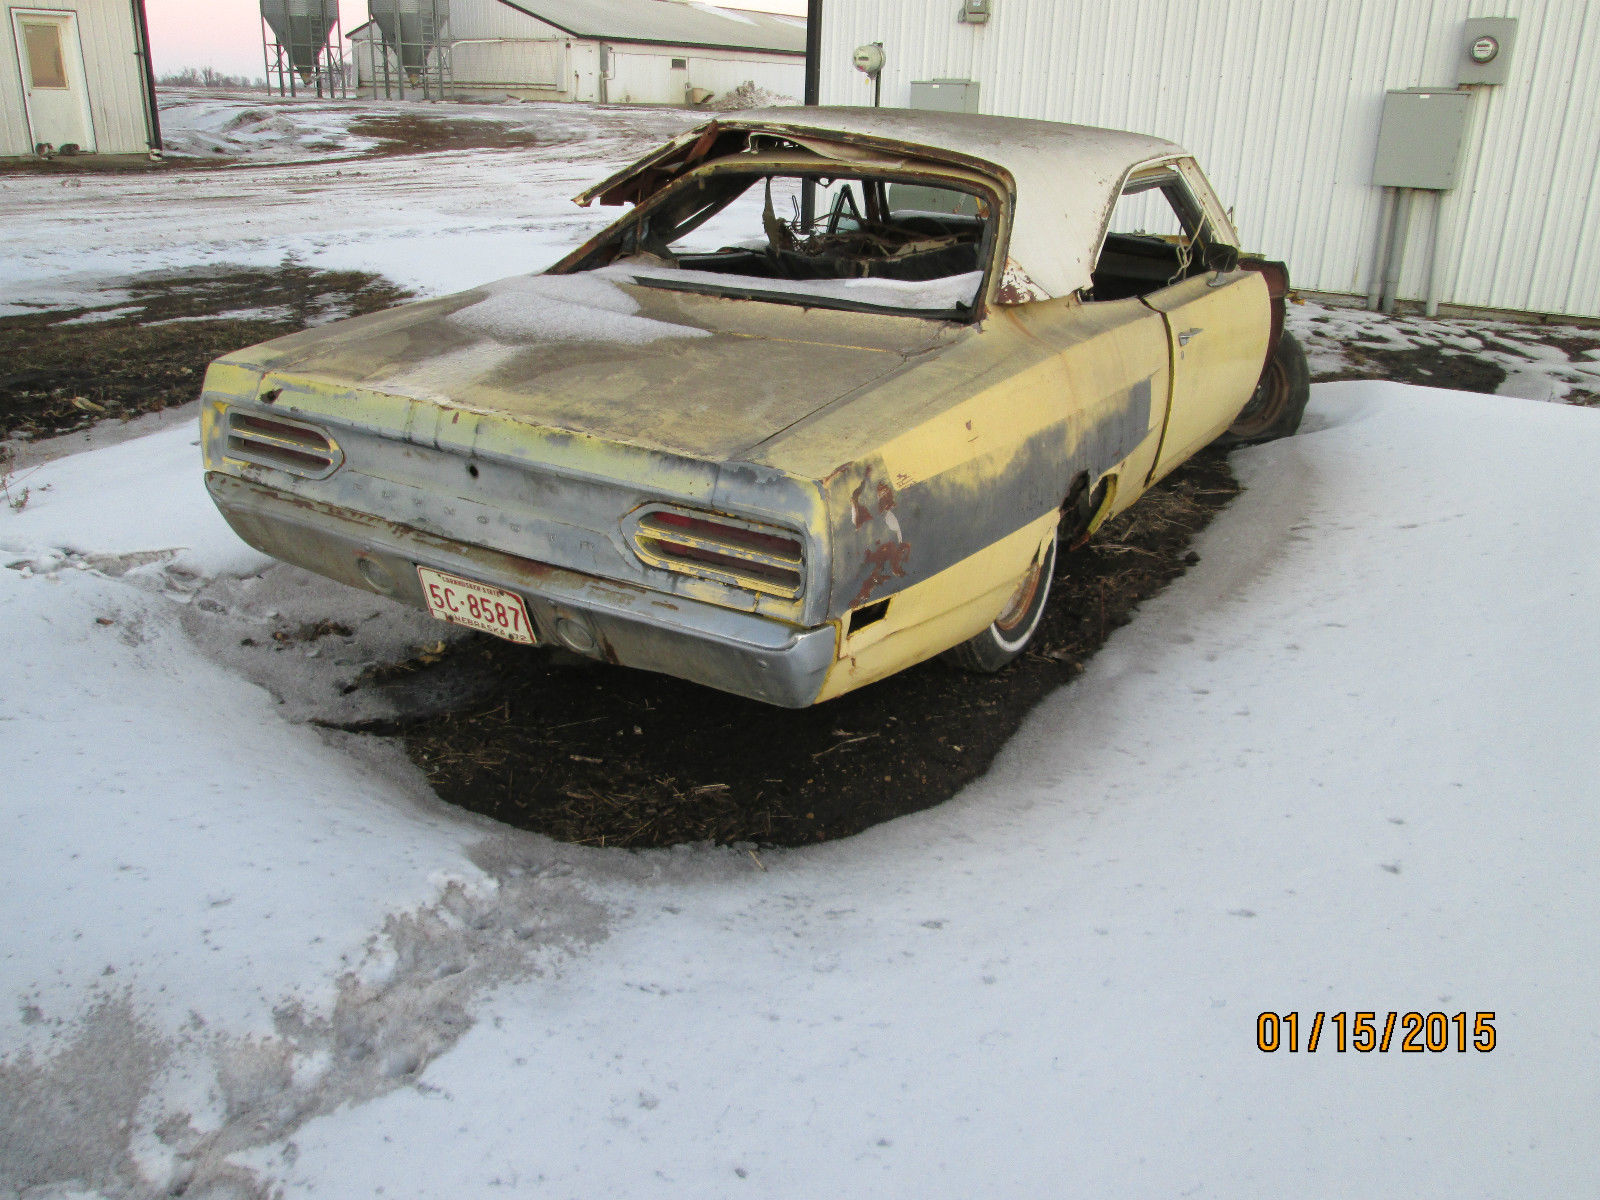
[436,223]
[1346,763]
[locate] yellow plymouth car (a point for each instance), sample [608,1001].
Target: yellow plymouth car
[819,405]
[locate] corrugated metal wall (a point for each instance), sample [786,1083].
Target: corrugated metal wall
[1280,100]
[640,74]
[116,94]
[644,74]
[522,65]
[491,19]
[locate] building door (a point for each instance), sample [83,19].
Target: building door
[54,85]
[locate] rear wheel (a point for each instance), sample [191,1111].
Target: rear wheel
[1009,634]
[1279,401]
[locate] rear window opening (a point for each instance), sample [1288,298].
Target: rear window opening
[856,239]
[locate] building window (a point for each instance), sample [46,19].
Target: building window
[680,64]
[46,67]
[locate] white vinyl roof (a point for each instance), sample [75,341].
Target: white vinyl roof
[1067,177]
[669,23]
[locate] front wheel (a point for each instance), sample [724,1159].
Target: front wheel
[1009,634]
[1279,401]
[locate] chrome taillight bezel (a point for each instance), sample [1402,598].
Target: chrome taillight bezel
[737,552]
[265,439]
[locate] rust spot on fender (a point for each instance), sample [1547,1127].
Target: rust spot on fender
[858,510]
[880,493]
[888,561]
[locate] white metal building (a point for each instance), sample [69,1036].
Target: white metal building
[75,76]
[1281,100]
[607,51]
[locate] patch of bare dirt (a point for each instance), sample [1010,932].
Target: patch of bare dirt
[1430,366]
[605,756]
[419,133]
[84,164]
[64,370]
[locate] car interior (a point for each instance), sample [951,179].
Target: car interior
[857,229]
[1158,237]
[744,223]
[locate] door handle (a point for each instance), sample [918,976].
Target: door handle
[1183,338]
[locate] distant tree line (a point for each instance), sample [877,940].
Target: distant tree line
[207,77]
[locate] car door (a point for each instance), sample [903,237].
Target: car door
[1166,245]
[1217,329]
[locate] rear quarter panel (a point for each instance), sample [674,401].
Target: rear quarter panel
[940,484]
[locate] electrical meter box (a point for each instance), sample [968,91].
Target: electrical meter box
[945,95]
[1420,138]
[1486,49]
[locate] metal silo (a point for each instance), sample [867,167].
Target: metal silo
[417,34]
[298,41]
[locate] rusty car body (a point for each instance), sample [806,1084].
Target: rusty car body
[817,407]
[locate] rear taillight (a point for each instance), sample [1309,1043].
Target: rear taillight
[731,550]
[285,445]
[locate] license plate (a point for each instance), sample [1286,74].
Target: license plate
[476,605]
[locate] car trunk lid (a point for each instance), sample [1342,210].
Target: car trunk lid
[702,376]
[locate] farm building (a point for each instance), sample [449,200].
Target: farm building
[1480,189]
[76,78]
[606,51]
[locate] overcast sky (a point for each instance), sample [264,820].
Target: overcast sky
[226,34]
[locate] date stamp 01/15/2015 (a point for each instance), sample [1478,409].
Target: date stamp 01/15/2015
[1364,1032]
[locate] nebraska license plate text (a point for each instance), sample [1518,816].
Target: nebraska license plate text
[476,605]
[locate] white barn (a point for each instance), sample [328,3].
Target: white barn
[76,78]
[605,51]
[1282,100]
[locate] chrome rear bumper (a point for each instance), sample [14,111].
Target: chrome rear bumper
[733,651]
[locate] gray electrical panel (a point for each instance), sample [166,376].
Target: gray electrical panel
[938,95]
[1420,138]
[1486,49]
[945,95]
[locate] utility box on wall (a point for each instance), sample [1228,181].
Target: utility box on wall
[938,95]
[1420,138]
[945,95]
